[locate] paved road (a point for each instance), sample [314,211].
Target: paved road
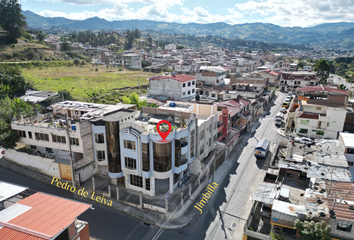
[104,222]
[227,205]
[340,80]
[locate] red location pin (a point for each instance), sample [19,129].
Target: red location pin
[163,134]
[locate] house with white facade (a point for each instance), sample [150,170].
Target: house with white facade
[186,66]
[211,75]
[290,81]
[322,111]
[131,60]
[175,87]
[347,142]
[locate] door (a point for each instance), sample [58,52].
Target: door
[69,113]
[65,171]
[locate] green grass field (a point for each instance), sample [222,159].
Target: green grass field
[83,82]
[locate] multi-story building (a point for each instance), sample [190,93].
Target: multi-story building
[290,81]
[322,111]
[347,142]
[131,60]
[175,87]
[186,66]
[211,75]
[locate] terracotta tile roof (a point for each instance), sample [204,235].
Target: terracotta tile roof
[180,78]
[49,214]
[309,116]
[322,88]
[11,234]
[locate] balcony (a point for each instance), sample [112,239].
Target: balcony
[184,148]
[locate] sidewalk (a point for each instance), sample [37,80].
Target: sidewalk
[132,208]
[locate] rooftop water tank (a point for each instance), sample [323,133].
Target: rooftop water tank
[172,104]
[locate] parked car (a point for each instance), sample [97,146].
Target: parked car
[285,104]
[288,98]
[277,122]
[279,116]
[287,101]
[283,110]
[266,211]
[303,140]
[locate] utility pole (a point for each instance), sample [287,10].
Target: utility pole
[139,84]
[71,156]
[330,186]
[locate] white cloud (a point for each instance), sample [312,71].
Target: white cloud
[99,2]
[301,13]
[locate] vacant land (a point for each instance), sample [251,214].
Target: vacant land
[85,82]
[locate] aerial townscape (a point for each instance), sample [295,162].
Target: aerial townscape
[146,120]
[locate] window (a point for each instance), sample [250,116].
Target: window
[147,183]
[209,142]
[192,90]
[101,156]
[201,150]
[318,108]
[320,133]
[58,139]
[42,136]
[184,85]
[277,230]
[213,95]
[191,148]
[76,112]
[189,84]
[302,130]
[184,93]
[29,134]
[328,124]
[48,150]
[129,144]
[210,128]
[176,177]
[350,150]
[21,133]
[334,121]
[130,162]
[99,138]
[74,141]
[193,83]
[146,156]
[201,135]
[344,226]
[136,181]
[33,147]
[214,138]
[351,164]
[304,122]
[189,92]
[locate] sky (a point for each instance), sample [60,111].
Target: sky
[286,13]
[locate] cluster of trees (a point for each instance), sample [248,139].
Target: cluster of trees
[100,39]
[343,67]
[12,20]
[134,99]
[11,107]
[130,36]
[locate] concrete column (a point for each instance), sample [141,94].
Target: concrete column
[181,198]
[21,118]
[171,183]
[199,180]
[166,205]
[117,189]
[141,200]
[109,191]
[190,189]
[93,184]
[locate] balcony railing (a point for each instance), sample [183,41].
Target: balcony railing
[184,144]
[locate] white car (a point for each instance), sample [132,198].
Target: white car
[277,122]
[283,110]
[303,140]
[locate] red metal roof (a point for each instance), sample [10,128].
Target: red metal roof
[49,214]
[322,88]
[11,234]
[180,78]
[309,116]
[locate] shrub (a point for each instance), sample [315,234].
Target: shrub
[13,45]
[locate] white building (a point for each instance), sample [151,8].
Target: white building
[175,87]
[170,46]
[322,111]
[211,75]
[132,60]
[289,81]
[347,142]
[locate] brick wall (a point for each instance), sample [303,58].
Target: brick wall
[84,233]
[337,99]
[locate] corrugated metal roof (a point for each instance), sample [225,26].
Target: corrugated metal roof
[48,214]
[13,211]
[264,143]
[8,190]
[265,192]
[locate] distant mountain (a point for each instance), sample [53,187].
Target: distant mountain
[328,34]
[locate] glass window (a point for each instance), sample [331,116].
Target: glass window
[29,134]
[192,90]
[201,150]
[129,144]
[99,138]
[162,157]
[304,122]
[191,149]
[201,135]
[136,180]
[184,93]
[350,150]
[189,84]
[101,156]
[176,177]
[42,136]
[21,133]
[189,92]
[177,152]
[146,157]
[130,162]
[193,83]
[210,128]
[184,85]
[344,226]
[147,183]
[351,164]
[76,112]
[320,133]
[74,141]
[209,141]
[302,130]
[58,139]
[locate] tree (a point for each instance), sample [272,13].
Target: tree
[77,62]
[134,99]
[310,230]
[11,19]
[40,36]
[322,67]
[65,47]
